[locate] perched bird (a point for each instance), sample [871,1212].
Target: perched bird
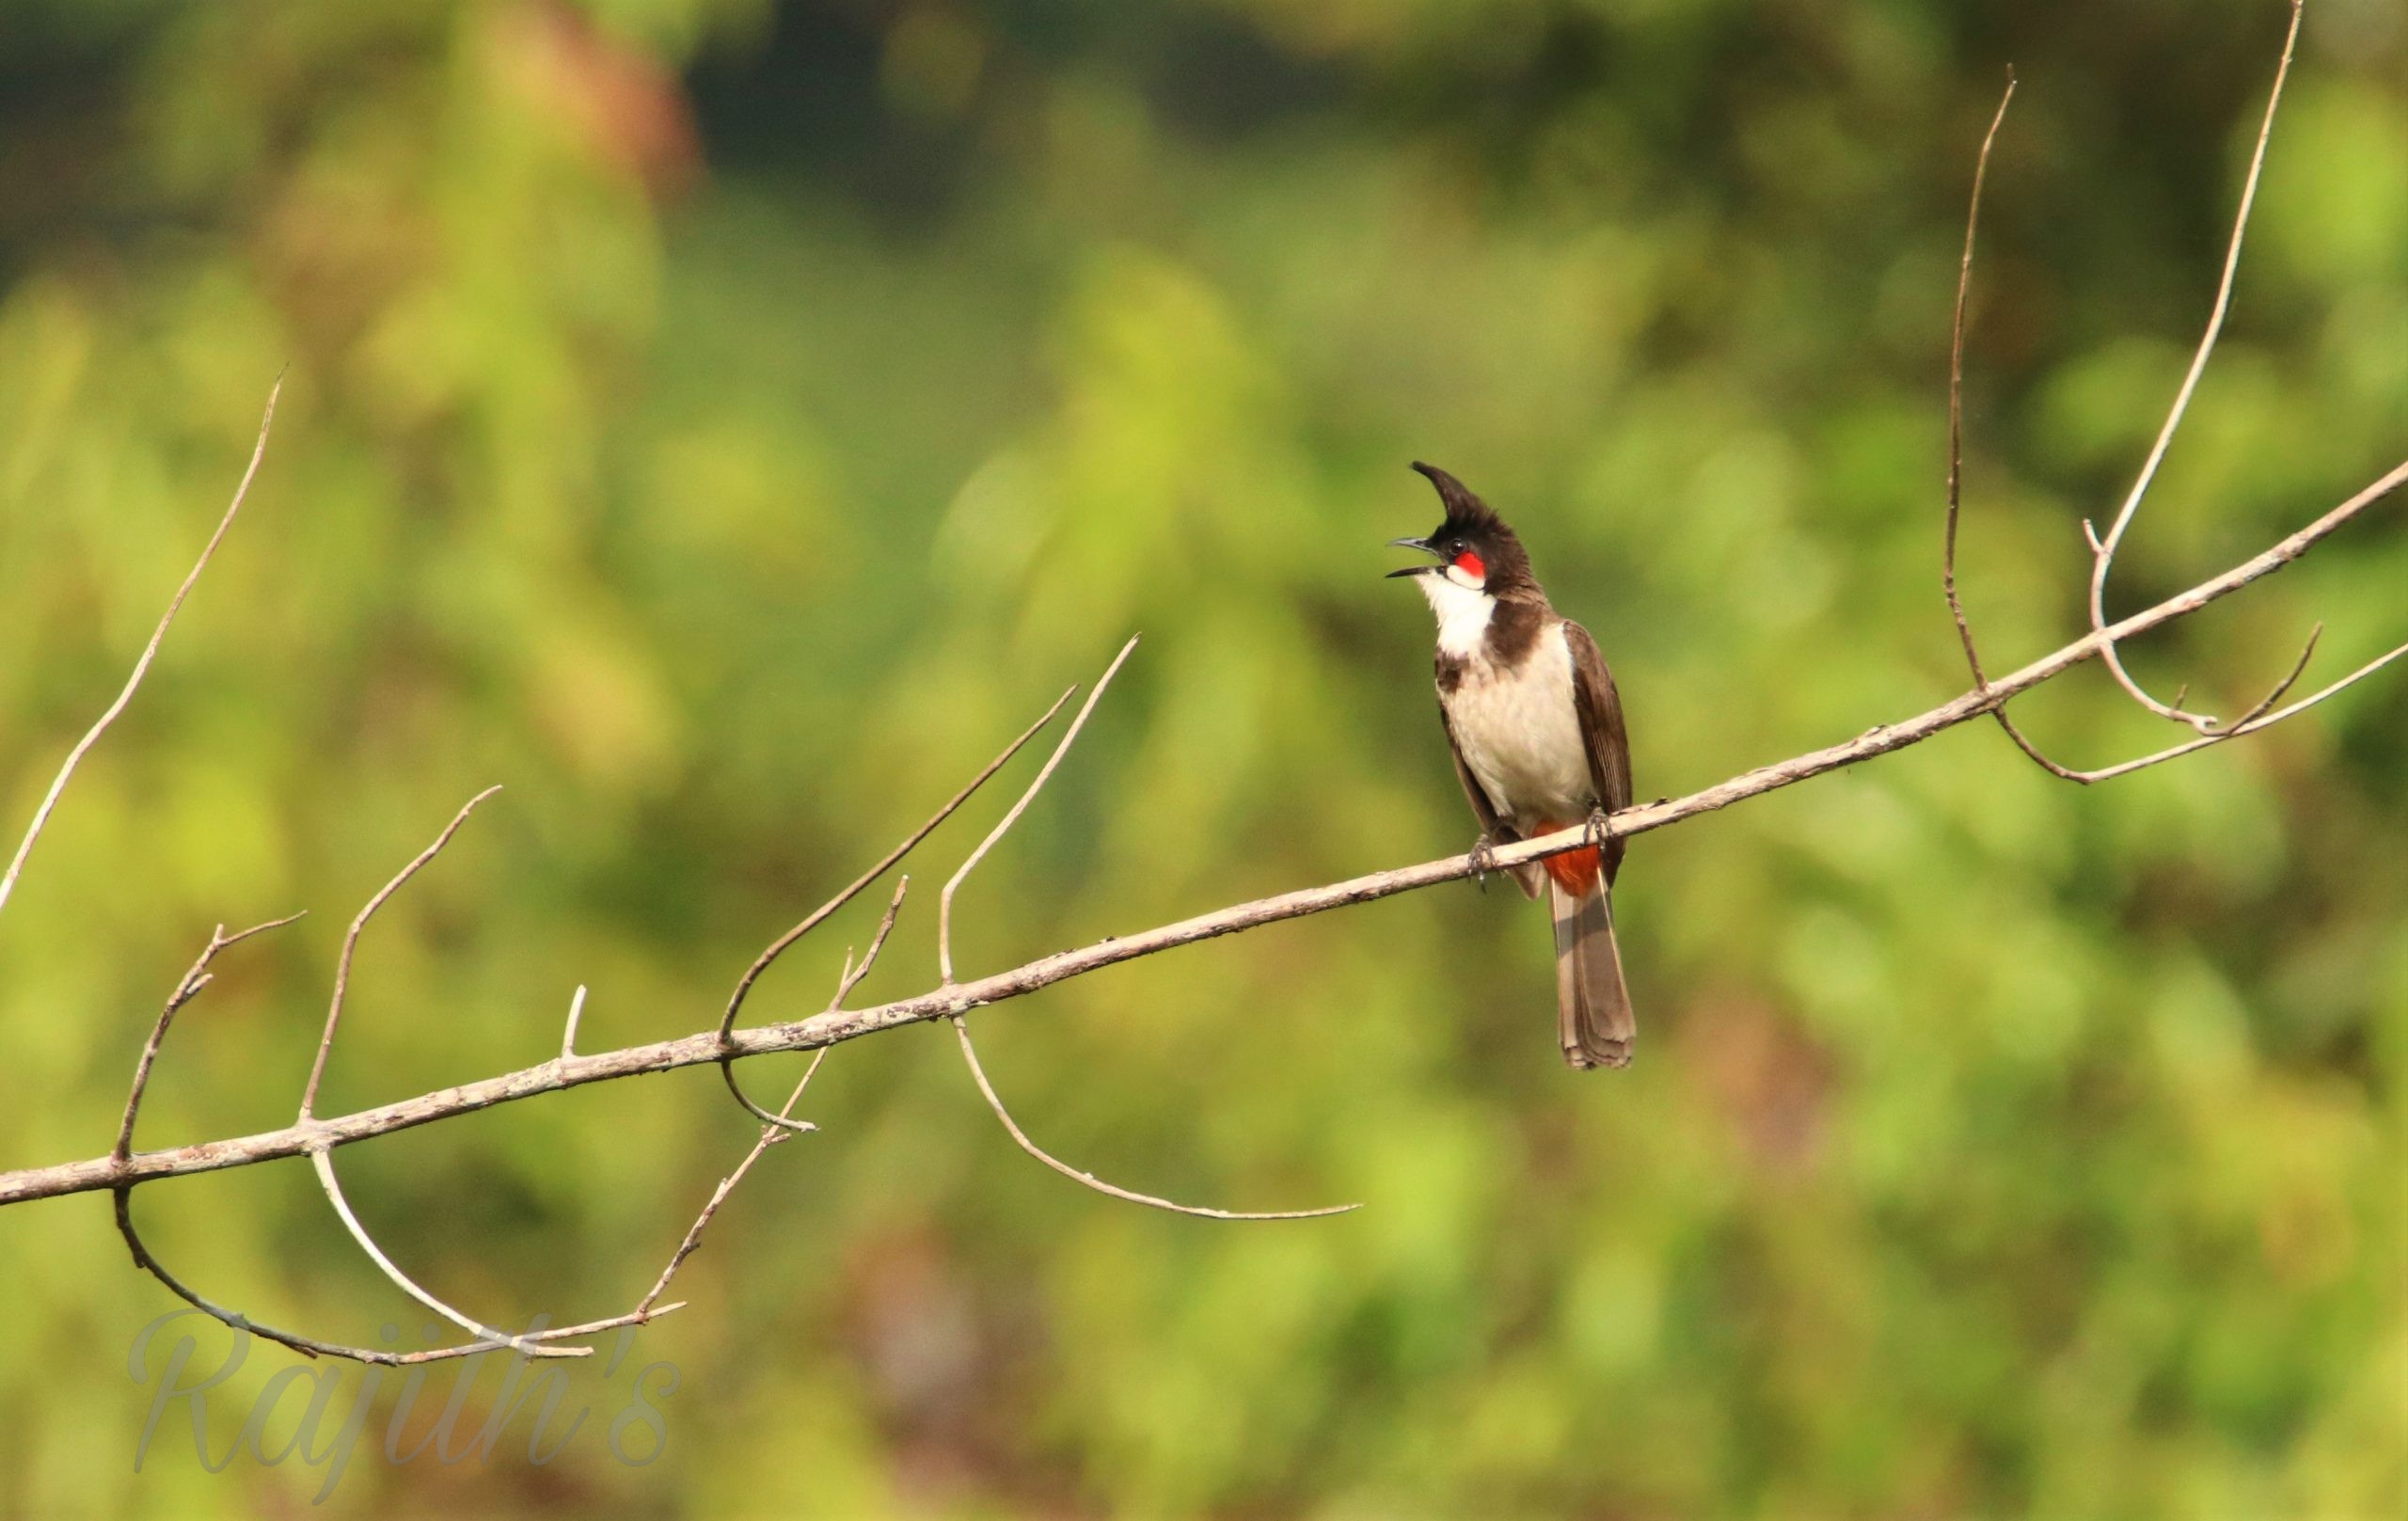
[1536,728]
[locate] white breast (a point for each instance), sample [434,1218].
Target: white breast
[1520,733]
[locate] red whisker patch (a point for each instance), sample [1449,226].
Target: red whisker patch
[1471,565]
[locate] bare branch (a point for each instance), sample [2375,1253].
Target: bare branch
[811,921]
[2103,550]
[142,665]
[351,943]
[945,899]
[970,1054]
[186,990]
[835,1026]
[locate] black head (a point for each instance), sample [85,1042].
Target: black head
[1473,547]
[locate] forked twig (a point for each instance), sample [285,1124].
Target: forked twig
[2264,714]
[970,1052]
[187,988]
[2103,550]
[995,1102]
[953,884]
[2250,722]
[142,665]
[854,971]
[186,991]
[323,1162]
[351,944]
[811,921]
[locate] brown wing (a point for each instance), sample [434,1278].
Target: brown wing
[1530,877]
[1601,726]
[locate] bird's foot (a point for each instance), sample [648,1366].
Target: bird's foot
[1484,860]
[1598,830]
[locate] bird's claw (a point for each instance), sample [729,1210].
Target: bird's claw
[1484,860]
[1598,830]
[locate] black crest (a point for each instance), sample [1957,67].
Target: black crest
[1464,511]
[1471,521]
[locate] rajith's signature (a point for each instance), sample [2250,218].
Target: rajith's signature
[319,1448]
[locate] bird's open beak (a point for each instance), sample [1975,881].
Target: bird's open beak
[1422,545]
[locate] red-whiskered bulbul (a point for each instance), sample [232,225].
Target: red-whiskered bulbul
[1536,728]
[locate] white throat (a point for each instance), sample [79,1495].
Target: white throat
[1463,612]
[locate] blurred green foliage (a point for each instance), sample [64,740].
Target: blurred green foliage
[724,423]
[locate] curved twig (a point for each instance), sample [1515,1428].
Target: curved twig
[186,990]
[323,1162]
[2103,550]
[945,899]
[2256,719]
[324,1165]
[995,1102]
[142,665]
[1957,440]
[811,921]
[576,1012]
[313,1347]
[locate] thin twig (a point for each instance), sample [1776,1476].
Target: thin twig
[149,651]
[186,990]
[351,943]
[313,1347]
[945,899]
[325,1164]
[832,1028]
[576,1012]
[2103,550]
[2249,723]
[812,919]
[854,973]
[1956,438]
[995,1102]
[770,1136]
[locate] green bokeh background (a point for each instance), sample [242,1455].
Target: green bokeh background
[725,424]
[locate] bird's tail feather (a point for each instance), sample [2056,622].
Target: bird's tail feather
[1594,1020]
